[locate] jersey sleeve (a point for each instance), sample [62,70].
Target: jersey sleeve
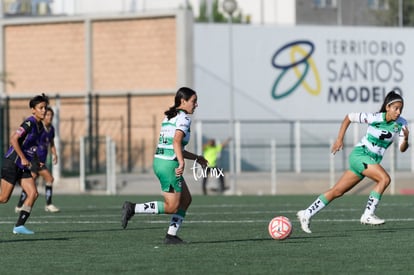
[366,118]
[24,128]
[183,123]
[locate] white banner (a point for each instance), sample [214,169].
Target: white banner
[300,72]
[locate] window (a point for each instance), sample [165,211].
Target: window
[378,4]
[325,3]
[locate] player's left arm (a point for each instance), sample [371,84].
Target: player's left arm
[403,140]
[54,152]
[200,159]
[339,143]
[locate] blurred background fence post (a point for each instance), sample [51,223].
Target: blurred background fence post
[392,167]
[110,166]
[230,7]
[273,169]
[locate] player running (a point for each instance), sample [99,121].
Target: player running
[39,162]
[17,161]
[365,159]
[169,165]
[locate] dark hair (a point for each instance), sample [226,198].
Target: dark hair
[391,97]
[49,109]
[182,93]
[38,99]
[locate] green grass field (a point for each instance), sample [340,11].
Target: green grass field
[226,235]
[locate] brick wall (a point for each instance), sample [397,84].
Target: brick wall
[134,54]
[45,57]
[128,55]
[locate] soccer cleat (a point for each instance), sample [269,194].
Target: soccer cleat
[22,230]
[17,209]
[128,210]
[371,219]
[304,221]
[51,208]
[170,239]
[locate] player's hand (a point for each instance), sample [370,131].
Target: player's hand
[337,146]
[202,161]
[25,162]
[179,170]
[406,133]
[54,159]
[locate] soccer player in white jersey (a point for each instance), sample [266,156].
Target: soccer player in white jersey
[169,165]
[365,158]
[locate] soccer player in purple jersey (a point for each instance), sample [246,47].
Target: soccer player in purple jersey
[17,161]
[39,163]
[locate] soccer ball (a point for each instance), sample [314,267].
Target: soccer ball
[280,228]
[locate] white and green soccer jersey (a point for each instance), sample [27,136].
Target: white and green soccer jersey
[380,133]
[165,148]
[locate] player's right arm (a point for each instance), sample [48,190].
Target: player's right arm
[178,150]
[339,143]
[54,152]
[14,141]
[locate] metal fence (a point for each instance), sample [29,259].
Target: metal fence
[301,146]
[92,117]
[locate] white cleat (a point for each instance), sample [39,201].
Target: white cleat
[51,208]
[304,221]
[371,220]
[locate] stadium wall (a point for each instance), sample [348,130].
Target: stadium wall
[109,75]
[300,72]
[294,85]
[114,76]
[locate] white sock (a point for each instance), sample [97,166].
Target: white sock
[371,204]
[175,223]
[316,206]
[148,207]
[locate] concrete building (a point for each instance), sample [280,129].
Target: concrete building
[341,13]
[270,12]
[280,12]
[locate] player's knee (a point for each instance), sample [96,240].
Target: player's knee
[4,199]
[171,207]
[32,195]
[385,181]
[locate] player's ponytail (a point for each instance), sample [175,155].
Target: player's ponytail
[390,98]
[172,112]
[182,93]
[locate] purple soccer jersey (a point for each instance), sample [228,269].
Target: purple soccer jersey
[29,133]
[47,135]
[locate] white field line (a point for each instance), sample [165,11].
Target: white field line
[73,221]
[158,219]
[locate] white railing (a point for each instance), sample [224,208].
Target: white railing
[110,178]
[335,163]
